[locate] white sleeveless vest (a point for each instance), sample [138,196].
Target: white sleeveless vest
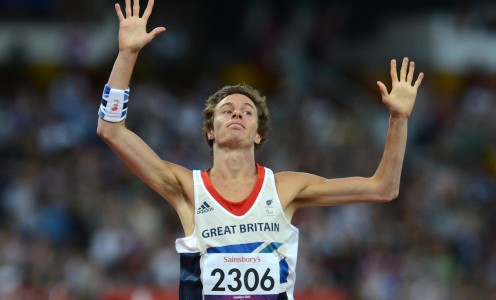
[243,250]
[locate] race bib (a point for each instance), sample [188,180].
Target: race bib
[230,276]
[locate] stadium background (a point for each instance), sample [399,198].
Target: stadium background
[75,224]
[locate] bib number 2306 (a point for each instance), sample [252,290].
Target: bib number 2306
[237,274]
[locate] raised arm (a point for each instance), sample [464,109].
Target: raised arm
[301,189]
[400,102]
[168,179]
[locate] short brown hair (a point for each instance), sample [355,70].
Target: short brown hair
[258,99]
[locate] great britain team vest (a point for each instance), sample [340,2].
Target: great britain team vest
[238,250]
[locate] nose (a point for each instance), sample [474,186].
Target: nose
[236,114]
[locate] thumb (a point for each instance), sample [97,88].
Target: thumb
[382,89]
[155,32]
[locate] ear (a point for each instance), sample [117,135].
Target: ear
[210,134]
[258,138]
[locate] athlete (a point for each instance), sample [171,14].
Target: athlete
[239,241]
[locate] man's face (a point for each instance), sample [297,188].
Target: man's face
[235,122]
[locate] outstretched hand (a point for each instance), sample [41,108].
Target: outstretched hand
[401,99]
[132,28]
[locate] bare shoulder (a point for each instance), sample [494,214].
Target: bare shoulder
[174,183]
[184,178]
[296,178]
[292,177]
[291,184]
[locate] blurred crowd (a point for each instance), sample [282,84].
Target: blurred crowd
[76,224]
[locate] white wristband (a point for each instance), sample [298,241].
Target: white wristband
[113,107]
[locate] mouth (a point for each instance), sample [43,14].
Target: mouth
[235,125]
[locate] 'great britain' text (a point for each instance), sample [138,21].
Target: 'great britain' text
[241,228]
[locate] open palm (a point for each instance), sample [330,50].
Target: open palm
[401,99]
[132,28]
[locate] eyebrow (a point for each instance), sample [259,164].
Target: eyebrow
[244,104]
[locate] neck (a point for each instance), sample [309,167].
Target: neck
[233,164]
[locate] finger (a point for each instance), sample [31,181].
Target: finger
[394,74]
[136,8]
[155,32]
[404,66]
[148,9]
[119,12]
[382,89]
[128,8]
[411,71]
[419,80]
